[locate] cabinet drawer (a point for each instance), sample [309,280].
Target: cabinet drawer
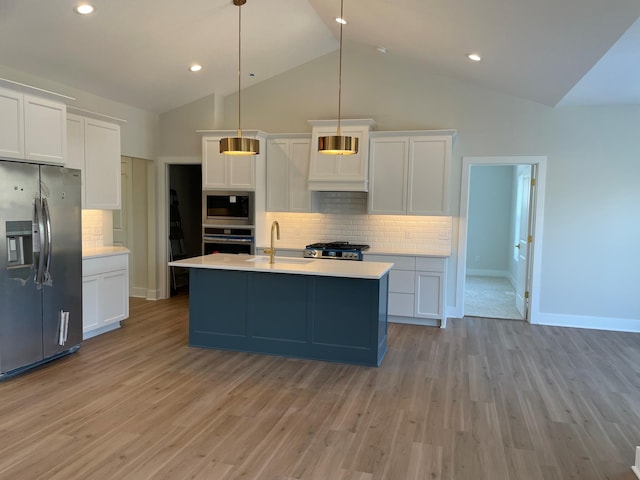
[401,304]
[430,264]
[400,262]
[401,281]
[98,265]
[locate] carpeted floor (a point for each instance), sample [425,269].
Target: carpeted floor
[492,297]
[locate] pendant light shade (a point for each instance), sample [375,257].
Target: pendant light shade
[239,145]
[338,144]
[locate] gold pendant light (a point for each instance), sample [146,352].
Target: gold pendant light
[239,145]
[338,144]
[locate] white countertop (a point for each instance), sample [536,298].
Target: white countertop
[296,266]
[104,251]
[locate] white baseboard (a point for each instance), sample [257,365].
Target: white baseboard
[428,322]
[479,272]
[138,292]
[595,323]
[153,294]
[636,468]
[100,331]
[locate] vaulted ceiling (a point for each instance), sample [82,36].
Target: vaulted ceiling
[138,52]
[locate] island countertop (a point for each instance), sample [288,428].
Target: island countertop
[287,265]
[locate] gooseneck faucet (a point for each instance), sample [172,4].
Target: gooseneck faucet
[275,227]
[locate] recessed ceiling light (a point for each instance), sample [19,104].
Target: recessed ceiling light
[195,67]
[84,9]
[474,56]
[341,20]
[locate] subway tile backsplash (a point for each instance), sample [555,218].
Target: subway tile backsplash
[384,233]
[93,228]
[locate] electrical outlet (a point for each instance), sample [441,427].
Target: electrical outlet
[477,258]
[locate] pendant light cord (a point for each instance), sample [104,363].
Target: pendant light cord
[340,68]
[239,63]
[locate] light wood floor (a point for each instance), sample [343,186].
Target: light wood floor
[483,399]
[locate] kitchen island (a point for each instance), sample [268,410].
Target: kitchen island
[317,309]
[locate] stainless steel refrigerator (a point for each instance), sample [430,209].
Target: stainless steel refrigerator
[40,264]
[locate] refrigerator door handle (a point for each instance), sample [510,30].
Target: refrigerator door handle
[49,241]
[39,238]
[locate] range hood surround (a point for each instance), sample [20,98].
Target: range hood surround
[340,173]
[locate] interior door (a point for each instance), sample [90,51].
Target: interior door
[121,217]
[522,245]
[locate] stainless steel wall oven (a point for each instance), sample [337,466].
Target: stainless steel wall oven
[227,240]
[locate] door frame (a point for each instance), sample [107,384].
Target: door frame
[537,221]
[162,179]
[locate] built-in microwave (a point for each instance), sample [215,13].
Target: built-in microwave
[227,208]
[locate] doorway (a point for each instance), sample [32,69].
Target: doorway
[131,223]
[185,220]
[500,221]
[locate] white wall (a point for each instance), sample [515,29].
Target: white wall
[178,127]
[489,244]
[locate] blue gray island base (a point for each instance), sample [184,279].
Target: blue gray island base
[335,319]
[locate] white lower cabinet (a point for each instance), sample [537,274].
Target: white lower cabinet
[416,289]
[105,293]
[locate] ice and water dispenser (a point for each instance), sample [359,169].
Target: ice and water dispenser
[19,243]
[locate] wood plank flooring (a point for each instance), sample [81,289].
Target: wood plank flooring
[483,399]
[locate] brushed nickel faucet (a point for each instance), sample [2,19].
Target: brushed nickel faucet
[275,227]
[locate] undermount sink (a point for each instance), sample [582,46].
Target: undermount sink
[290,260]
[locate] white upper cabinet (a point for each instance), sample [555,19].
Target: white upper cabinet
[32,128]
[287,172]
[389,164]
[227,172]
[11,124]
[410,172]
[346,173]
[93,146]
[45,130]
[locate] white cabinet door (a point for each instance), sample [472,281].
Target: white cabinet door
[228,172]
[102,165]
[340,172]
[90,302]
[287,172]
[214,164]
[11,124]
[278,175]
[75,142]
[429,295]
[401,304]
[429,159]
[45,130]
[388,178]
[115,296]
[299,194]
[241,172]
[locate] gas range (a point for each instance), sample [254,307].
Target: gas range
[335,251]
